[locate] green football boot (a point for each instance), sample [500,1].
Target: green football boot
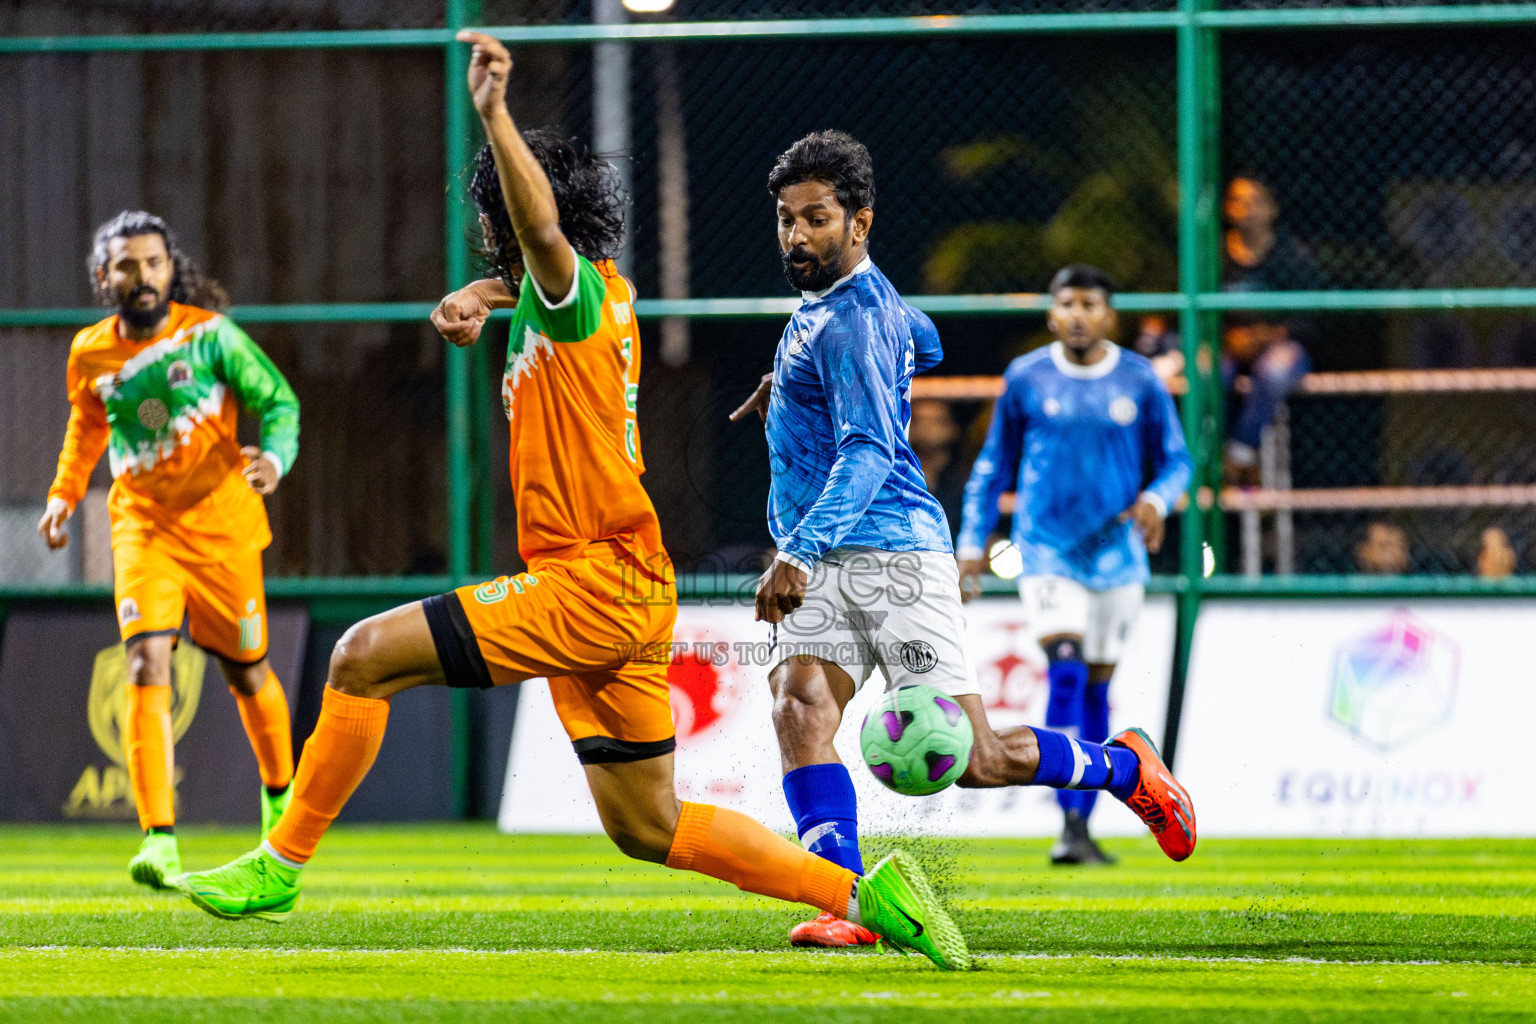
[272,807]
[897,904]
[256,885]
[158,862]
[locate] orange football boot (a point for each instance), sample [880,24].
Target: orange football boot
[830,932]
[1158,799]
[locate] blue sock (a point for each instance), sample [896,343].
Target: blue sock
[1094,729]
[1068,677]
[1097,766]
[826,813]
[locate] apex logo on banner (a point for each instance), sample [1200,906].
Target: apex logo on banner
[63,694]
[103,792]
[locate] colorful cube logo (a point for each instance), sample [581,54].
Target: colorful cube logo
[1395,685]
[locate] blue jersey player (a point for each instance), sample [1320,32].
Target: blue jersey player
[1080,426]
[865,577]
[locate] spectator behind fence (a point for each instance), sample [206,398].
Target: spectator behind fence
[1384,551]
[1157,339]
[1496,558]
[1259,256]
[935,438]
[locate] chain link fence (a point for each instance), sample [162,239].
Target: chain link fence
[1393,159]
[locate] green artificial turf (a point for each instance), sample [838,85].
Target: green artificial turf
[448,923]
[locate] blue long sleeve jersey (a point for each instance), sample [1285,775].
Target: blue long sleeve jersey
[1075,443]
[843,471]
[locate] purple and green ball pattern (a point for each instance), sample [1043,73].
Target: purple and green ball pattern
[916,740]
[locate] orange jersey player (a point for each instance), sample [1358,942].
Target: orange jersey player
[594,611]
[158,386]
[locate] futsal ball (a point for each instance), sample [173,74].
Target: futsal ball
[917,740]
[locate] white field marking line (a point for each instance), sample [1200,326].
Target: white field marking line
[646,954]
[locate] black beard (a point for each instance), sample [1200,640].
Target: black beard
[820,276]
[142,319]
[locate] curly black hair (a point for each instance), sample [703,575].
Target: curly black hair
[189,285]
[588,193]
[833,157]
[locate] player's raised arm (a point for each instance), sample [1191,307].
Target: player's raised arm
[994,470]
[547,253]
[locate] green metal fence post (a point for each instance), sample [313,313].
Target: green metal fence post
[1197,110]
[458,123]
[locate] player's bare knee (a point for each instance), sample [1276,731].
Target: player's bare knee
[353,661]
[149,662]
[247,679]
[796,713]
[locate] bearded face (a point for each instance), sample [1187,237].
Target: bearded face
[137,276]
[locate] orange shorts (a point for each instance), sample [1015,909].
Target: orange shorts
[605,657]
[225,603]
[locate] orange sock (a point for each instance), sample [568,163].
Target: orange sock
[730,846]
[339,753]
[151,764]
[265,714]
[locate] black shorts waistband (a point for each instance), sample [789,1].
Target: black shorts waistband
[607,750]
[457,651]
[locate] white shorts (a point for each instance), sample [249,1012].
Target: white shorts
[895,610]
[1103,618]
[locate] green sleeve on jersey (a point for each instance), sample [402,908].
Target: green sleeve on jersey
[576,320]
[245,368]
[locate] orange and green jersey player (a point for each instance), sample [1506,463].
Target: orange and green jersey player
[187,529]
[596,607]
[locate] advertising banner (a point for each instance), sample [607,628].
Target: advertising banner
[63,680]
[1360,718]
[727,754]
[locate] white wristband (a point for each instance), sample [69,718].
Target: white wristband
[798,563]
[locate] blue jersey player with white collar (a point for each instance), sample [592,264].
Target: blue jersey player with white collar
[843,473]
[865,577]
[1081,426]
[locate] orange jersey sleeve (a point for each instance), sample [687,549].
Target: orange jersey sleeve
[84,439]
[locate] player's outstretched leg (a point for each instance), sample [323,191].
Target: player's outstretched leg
[264,712]
[374,660]
[643,816]
[1128,767]
[151,770]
